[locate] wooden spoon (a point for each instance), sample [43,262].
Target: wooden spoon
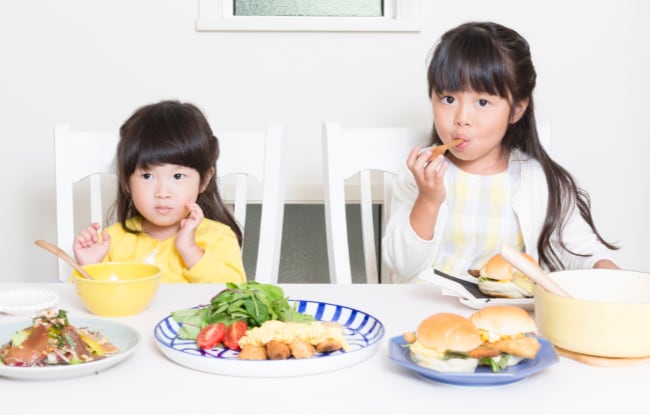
[533,272]
[64,256]
[444,147]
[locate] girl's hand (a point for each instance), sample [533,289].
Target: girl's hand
[185,242]
[87,247]
[429,175]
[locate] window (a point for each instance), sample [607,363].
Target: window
[305,15]
[322,8]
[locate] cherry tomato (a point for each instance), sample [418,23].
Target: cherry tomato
[211,335]
[234,332]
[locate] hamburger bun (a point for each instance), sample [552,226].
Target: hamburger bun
[497,278]
[503,320]
[442,343]
[507,329]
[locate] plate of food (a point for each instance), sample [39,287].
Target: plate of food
[483,376]
[497,282]
[95,345]
[359,335]
[496,345]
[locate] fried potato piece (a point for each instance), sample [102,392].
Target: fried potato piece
[328,346]
[301,349]
[277,350]
[253,353]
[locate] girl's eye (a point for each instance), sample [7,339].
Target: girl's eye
[447,99]
[483,102]
[147,176]
[179,176]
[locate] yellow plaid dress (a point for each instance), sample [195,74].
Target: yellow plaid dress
[481,219]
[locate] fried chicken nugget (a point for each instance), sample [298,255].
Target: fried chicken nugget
[277,350]
[524,346]
[327,346]
[301,349]
[483,351]
[253,353]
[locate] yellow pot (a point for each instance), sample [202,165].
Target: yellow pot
[608,316]
[118,288]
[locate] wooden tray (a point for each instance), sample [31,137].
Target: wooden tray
[602,361]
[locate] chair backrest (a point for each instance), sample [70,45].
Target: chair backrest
[359,165]
[250,170]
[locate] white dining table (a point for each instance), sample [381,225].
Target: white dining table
[149,382]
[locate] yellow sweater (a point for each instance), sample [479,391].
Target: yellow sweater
[221,261]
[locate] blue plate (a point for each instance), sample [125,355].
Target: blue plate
[483,376]
[362,331]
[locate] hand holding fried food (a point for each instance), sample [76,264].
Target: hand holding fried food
[281,340]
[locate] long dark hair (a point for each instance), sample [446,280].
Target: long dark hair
[490,58]
[170,132]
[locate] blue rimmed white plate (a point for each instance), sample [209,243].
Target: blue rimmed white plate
[122,336]
[483,376]
[362,331]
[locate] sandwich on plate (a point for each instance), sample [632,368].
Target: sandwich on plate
[442,343]
[499,279]
[508,335]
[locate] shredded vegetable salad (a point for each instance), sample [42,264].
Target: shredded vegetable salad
[52,340]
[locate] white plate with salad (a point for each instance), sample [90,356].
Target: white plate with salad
[362,331]
[120,335]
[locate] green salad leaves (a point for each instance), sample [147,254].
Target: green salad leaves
[251,301]
[495,364]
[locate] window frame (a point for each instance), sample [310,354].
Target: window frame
[217,15]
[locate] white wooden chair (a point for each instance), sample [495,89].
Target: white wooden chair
[250,170]
[359,165]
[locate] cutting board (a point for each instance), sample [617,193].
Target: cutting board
[602,361]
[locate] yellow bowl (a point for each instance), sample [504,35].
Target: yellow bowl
[608,315]
[118,288]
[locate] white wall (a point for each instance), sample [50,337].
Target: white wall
[91,64]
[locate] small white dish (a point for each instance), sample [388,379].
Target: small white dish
[26,301]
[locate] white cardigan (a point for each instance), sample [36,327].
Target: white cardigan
[406,255]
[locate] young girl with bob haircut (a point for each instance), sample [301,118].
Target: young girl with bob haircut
[168,206]
[499,186]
